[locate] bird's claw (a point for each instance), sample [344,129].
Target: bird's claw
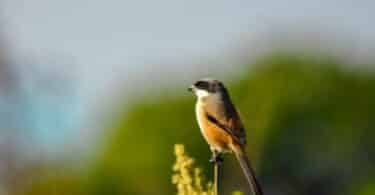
[216,159]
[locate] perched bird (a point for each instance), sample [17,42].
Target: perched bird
[221,126]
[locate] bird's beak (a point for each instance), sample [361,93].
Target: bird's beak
[191,88]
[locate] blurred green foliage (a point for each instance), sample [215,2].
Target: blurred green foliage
[310,125]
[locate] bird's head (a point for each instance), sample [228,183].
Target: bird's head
[207,87]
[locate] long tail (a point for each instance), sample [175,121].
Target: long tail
[248,171]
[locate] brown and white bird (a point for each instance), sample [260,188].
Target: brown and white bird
[221,126]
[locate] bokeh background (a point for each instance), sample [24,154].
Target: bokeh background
[93,93]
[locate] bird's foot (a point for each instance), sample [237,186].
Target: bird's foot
[216,159]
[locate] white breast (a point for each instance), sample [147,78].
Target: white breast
[199,113]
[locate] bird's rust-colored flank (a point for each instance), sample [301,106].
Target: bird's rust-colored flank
[216,137]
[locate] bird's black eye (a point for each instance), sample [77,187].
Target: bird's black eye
[201,85]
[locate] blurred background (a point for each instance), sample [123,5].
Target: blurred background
[93,93]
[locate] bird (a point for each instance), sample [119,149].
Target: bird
[221,126]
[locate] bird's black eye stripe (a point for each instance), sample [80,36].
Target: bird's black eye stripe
[201,85]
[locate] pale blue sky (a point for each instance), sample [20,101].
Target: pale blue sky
[116,43]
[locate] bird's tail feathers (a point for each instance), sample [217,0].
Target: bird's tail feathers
[247,170]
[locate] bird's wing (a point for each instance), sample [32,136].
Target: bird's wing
[232,125]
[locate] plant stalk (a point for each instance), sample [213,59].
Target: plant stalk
[216,178]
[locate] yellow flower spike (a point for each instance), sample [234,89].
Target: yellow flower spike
[187,178]
[179,150]
[175,179]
